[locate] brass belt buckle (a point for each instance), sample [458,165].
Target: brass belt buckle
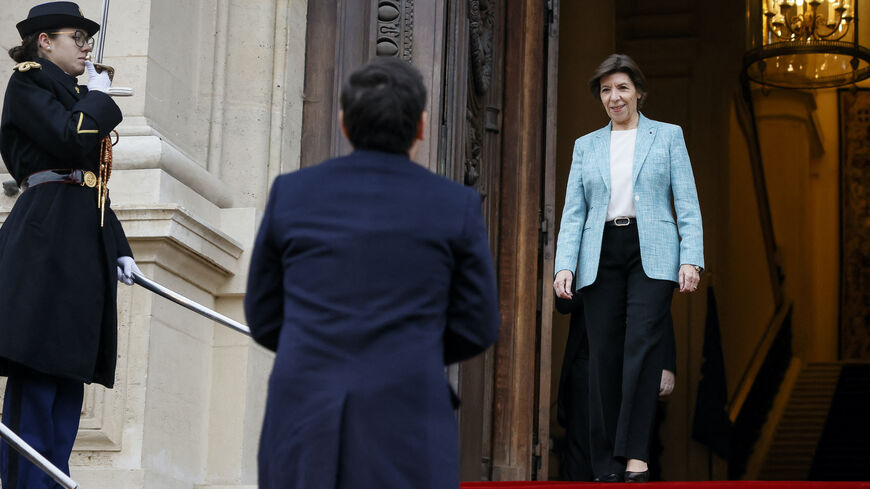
[89,179]
[622,221]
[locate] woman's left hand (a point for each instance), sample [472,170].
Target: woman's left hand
[666,387]
[689,278]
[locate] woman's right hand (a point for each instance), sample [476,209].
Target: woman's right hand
[562,284]
[97,81]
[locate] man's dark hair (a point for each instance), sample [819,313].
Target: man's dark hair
[382,103]
[619,63]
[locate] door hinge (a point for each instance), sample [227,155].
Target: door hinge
[536,458]
[543,232]
[551,14]
[492,120]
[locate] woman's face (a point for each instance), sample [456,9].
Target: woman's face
[63,50]
[619,97]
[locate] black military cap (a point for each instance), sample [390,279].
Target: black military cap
[56,14]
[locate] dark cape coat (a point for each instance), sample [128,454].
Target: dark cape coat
[369,274]
[58,278]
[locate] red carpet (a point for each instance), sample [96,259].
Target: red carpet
[676,485]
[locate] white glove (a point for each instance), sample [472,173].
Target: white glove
[97,81]
[126,267]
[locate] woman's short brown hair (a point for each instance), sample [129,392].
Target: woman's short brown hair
[619,63]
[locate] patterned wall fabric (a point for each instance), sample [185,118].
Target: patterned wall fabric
[855,225]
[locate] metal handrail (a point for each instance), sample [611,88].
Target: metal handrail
[31,454]
[194,306]
[55,473]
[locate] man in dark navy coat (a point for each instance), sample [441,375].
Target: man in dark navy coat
[369,274]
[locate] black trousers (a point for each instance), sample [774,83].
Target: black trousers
[44,411]
[572,411]
[624,311]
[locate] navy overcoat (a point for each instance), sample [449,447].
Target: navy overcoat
[58,278]
[369,274]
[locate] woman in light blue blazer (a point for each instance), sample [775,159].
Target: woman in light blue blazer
[622,247]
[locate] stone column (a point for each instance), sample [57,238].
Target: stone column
[792,145]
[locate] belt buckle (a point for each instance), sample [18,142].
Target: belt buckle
[622,221]
[89,179]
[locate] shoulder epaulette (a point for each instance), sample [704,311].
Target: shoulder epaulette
[27,66]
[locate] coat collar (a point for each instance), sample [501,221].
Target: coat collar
[646,134]
[602,148]
[69,82]
[646,131]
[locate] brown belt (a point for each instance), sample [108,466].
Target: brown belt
[79,177]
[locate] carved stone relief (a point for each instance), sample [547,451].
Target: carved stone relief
[395,35]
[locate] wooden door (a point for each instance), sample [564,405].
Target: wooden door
[547,251]
[485,62]
[458,46]
[520,440]
[498,135]
[470,140]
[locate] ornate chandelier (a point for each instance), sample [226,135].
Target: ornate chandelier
[805,44]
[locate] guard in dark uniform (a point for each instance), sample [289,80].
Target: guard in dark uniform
[61,247]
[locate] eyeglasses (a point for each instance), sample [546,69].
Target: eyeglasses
[79,37]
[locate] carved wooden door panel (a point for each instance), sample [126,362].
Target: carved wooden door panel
[470,152]
[459,46]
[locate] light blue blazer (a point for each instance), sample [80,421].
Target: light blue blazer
[661,174]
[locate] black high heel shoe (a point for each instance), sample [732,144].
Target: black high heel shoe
[609,478]
[637,476]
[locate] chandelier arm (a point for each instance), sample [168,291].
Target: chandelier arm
[834,30]
[787,22]
[798,21]
[811,19]
[844,34]
[775,31]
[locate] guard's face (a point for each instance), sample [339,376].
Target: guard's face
[64,50]
[619,97]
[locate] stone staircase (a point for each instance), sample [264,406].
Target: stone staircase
[794,443]
[824,431]
[843,452]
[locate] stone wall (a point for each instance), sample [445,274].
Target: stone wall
[216,115]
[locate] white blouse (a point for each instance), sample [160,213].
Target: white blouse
[621,164]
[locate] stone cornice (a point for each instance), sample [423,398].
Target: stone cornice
[145,151]
[194,246]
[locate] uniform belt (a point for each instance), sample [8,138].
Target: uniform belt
[80,177]
[620,221]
